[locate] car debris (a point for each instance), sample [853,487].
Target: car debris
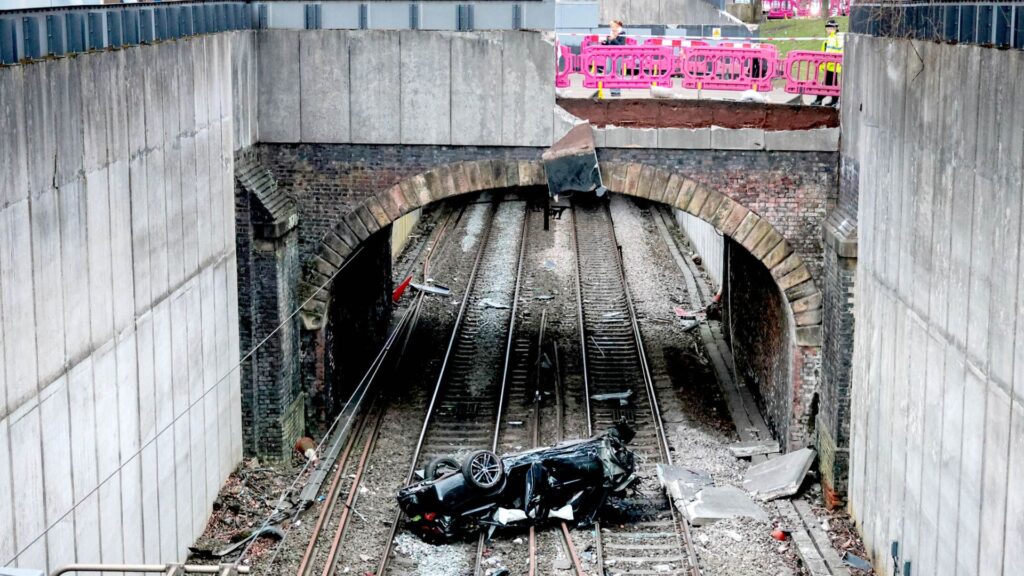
[566,482]
[623,397]
[435,289]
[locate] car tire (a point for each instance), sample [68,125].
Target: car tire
[483,469]
[440,466]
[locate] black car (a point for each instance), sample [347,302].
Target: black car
[567,482]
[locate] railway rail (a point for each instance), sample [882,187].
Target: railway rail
[613,361]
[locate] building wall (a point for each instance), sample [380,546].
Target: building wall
[937,410]
[119,416]
[707,241]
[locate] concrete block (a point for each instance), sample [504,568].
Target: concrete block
[714,200]
[528,95]
[814,140]
[324,77]
[122,267]
[204,206]
[131,511]
[971,472]
[140,237]
[644,181]
[27,465]
[135,104]
[150,504]
[189,208]
[778,477]
[60,542]
[183,483]
[562,123]
[684,138]
[155,186]
[737,138]
[167,61]
[731,224]
[214,474]
[179,353]
[16,304]
[66,100]
[7,541]
[56,450]
[279,99]
[83,429]
[74,271]
[753,448]
[685,196]
[108,443]
[101,289]
[700,196]
[426,110]
[197,468]
[722,502]
[127,396]
[12,122]
[994,481]
[146,378]
[376,107]
[162,364]
[1013,551]
[194,330]
[175,226]
[87,530]
[622,137]
[47,285]
[167,496]
[111,526]
[682,484]
[40,140]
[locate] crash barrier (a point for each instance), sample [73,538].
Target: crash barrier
[657,62]
[806,72]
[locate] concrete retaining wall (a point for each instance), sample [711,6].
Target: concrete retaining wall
[937,442]
[118,324]
[707,241]
[405,87]
[666,12]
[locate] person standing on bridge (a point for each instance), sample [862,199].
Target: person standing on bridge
[832,45]
[616,38]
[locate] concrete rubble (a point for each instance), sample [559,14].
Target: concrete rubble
[779,477]
[721,502]
[571,164]
[682,484]
[754,448]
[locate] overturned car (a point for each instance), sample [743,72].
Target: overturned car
[568,482]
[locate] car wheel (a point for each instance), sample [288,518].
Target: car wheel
[483,469]
[440,466]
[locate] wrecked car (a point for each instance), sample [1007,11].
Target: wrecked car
[567,482]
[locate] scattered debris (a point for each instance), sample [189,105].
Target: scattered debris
[571,164]
[544,297]
[682,484]
[754,448]
[272,531]
[400,289]
[779,477]
[506,516]
[437,289]
[623,397]
[854,561]
[779,534]
[489,303]
[549,264]
[718,502]
[433,560]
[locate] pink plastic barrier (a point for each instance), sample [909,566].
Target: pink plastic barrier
[626,66]
[738,69]
[779,9]
[805,72]
[594,39]
[564,65]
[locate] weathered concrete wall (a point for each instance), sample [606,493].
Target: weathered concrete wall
[707,241]
[405,87]
[119,417]
[938,370]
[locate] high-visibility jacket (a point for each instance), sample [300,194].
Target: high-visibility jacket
[833,45]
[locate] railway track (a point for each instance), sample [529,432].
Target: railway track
[651,539]
[468,399]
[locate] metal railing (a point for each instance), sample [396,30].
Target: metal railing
[995,23]
[165,569]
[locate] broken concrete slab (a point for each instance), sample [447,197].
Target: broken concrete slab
[780,476]
[722,502]
[571,164]
[753,448]
[682,484]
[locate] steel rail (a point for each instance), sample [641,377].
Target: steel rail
[439,384]
[478,564]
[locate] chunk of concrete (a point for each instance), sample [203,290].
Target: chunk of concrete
[571,164]
[780,476]
[722,502]
[753,448]
[682,484]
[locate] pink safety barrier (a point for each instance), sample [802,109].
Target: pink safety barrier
[805,72]
[782,9]
[564,65]
[626,66]
[594,40]
[737,69]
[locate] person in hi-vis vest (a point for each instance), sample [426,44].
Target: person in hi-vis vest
[834,45]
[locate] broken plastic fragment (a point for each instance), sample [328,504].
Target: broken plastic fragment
[564,513]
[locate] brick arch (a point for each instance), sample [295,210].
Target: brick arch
[674,189]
